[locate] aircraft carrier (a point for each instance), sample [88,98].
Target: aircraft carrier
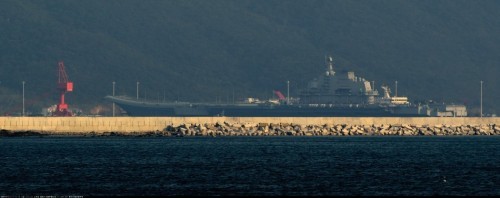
[332,94]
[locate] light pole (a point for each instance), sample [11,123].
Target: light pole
[396,95]
[288,92]
[23,97]
[113,96]
[481,98]
[137,90]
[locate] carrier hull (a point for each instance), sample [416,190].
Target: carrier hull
[138,108]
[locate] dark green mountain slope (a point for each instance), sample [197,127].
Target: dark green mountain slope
[203,50]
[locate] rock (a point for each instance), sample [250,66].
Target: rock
[406,126]
[263,124]
[285,124]
[169,128]
[183,130]
[345,131]
[325,132]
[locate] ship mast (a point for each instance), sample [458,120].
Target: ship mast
[329,64]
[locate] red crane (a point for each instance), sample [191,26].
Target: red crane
[280,95]
[63,85]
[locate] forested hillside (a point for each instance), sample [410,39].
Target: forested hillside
[198,50]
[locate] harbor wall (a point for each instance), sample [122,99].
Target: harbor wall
[145,124]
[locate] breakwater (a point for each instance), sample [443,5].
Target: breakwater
[290,129]
[251,126]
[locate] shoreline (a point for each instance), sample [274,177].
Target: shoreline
[280,129]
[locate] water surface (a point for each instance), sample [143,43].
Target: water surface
[250,166]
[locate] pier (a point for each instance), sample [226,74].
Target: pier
[223,126]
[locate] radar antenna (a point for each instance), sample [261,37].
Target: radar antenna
[387,91]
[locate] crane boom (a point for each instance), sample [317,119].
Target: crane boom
[279,94]
[63,77]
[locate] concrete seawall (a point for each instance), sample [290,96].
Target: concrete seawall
[68,125]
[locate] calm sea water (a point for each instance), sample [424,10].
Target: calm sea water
[250,166]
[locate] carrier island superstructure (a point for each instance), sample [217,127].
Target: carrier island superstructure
[332,94]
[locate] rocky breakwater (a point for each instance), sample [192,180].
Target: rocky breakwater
[285,129]
[290,129]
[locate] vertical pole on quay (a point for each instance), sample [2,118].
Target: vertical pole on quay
[23,98]
[137,89]
[481,98]
[113,96]
[288,92]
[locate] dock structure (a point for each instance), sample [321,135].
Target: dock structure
[79,125]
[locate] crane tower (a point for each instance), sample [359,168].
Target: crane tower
[64,86]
